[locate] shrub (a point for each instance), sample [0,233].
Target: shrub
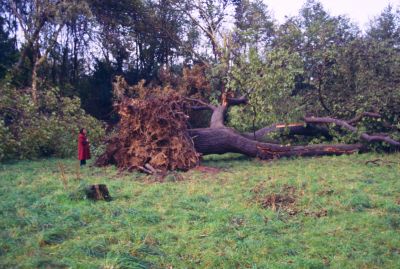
[47,129]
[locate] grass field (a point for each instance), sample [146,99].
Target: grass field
[330,212]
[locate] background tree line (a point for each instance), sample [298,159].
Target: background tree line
[58,60]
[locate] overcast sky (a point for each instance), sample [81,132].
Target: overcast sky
[359,11]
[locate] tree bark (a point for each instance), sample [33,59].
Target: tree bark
[34,91]
[224,140]
[39,60]
[290,130]
[217,117]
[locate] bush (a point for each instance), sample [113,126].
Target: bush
[47,129]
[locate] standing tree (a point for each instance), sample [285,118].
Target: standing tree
[41,22]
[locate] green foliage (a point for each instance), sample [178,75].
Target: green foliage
[345,72]
[27,131]
[385,27]
[204,220]
[254,24]
[268,82]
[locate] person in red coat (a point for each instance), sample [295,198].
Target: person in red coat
[83,147]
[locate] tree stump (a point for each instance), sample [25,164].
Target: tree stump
[98,192]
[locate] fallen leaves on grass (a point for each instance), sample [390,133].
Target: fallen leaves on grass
[283,201]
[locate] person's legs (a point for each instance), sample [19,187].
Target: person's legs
[83,162]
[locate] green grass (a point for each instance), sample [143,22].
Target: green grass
[207,220]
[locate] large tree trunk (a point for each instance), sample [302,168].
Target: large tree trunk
[34,90]
[224,140]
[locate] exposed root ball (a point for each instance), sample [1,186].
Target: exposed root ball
[151,132]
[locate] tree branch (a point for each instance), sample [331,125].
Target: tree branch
[346,125]
[380,138]
[322,120]
[209,106]
[359,117]
[51,45]
[291,129]
[237,101]
[200,108]
[19,18]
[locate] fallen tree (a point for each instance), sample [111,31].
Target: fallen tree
[153,135]
[219,139]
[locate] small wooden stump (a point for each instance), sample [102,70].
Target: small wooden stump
[98,192]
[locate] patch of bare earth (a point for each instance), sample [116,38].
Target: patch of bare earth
[284,201]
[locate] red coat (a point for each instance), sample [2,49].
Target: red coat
[83,147]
